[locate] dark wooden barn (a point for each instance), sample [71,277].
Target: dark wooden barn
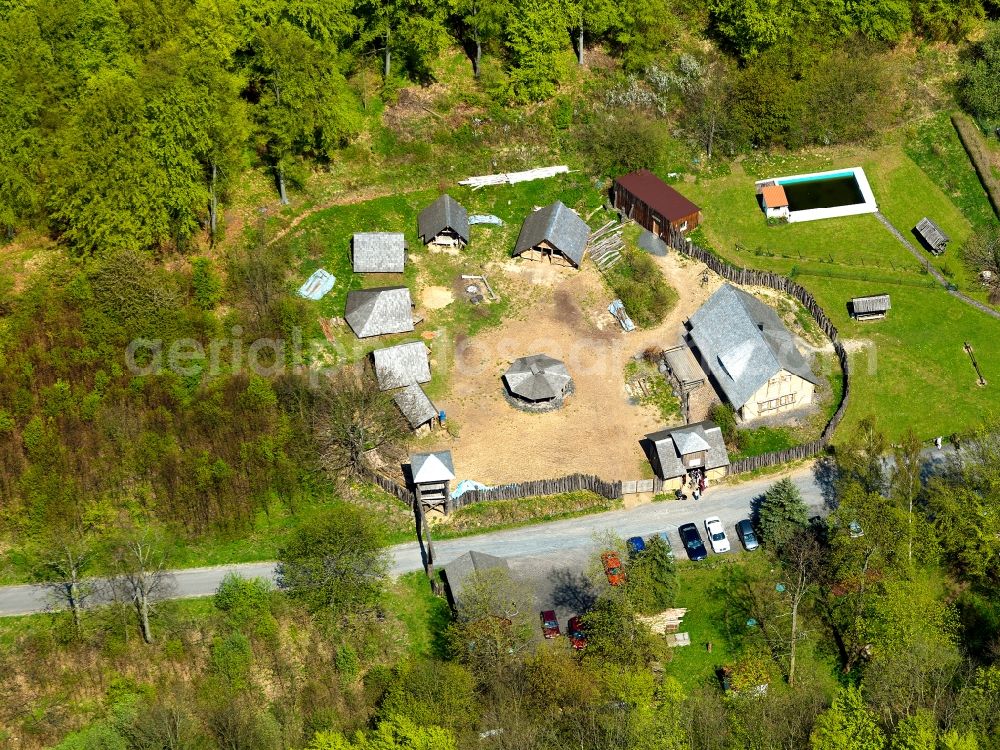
[653,204]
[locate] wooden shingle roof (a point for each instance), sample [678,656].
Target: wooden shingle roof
[560,227]
[401,365]
[415,405]
[379,252]
[444,213]
[374,312]
[875,303]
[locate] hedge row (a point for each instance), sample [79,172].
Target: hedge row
[978,152]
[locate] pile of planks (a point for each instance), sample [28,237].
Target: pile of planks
[606,245]
[510,178]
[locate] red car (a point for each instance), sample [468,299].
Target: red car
[577,637]
[613,568]
[550,624]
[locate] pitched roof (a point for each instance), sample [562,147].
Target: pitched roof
[743,344]
[374,312]
[432,467]
[932,233]
[379,252]
[401,365]
[444,213]
[774,196]
[670,446]
[458,571]
[415,405]
[874,303]
[560,227]
[657,194]
[537,378]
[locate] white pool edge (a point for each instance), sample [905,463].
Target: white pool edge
[855,209]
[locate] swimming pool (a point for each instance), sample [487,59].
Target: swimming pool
[823,195]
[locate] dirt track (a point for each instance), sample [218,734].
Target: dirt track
[597,431]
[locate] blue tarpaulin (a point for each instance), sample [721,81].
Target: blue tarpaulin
[617,309]
[317,285]
[485,219]
[465,485]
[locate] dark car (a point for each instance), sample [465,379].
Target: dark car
[577,636]
[691,540]
[744,530]
[635,545]
[550,624]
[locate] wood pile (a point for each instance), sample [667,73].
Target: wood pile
[606,245]
[511,178]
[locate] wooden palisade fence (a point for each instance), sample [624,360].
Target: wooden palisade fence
[615,490]
[540,487]
[750,277]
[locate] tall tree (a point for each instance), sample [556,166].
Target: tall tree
[141,574]
[534,37]
[482,22]
[848,725]
[337,564]
[782,512]
[63,561]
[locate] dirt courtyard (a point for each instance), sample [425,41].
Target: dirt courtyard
[597,431]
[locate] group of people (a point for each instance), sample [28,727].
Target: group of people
[695,478]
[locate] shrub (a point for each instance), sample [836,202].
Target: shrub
[725,417]
[642,288]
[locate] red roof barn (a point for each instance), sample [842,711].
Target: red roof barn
[653,204]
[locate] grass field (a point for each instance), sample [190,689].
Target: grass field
[909,370]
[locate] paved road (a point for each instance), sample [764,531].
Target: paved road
[564,542]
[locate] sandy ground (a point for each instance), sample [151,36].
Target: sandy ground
[597,431]
[436,297]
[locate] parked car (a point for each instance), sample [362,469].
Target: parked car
[663,535]
[635,545]
[716,535]
[577,636]
[613,568]
[550,624]
[744,530]
[691,540]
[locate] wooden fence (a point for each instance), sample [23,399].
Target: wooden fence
[615,490]
[750,277]
[539,487]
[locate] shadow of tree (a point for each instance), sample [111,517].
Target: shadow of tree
[573,590]
[826,475]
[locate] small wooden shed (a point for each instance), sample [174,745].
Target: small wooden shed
[873,307]
[931,235]
[653,204]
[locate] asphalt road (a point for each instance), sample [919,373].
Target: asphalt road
[565,544]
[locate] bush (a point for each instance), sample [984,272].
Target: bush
[642,288]
[725,417]
[245,601]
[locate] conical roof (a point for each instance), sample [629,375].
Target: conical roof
[537,378]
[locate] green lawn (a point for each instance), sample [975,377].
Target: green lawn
[323,240]
[910,370]
[694,665]
[424,615]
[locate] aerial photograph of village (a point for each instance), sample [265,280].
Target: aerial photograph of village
[499,375]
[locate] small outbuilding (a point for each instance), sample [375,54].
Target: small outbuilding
[538,381]
[874,307]
[376,312]
[695,449]
[683,368]
[555,232]
[653,204]
[460,571]
[931,235]
[417,408]
[402,365]
[432,475]
[774,201]
[378,252]
[444,222]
